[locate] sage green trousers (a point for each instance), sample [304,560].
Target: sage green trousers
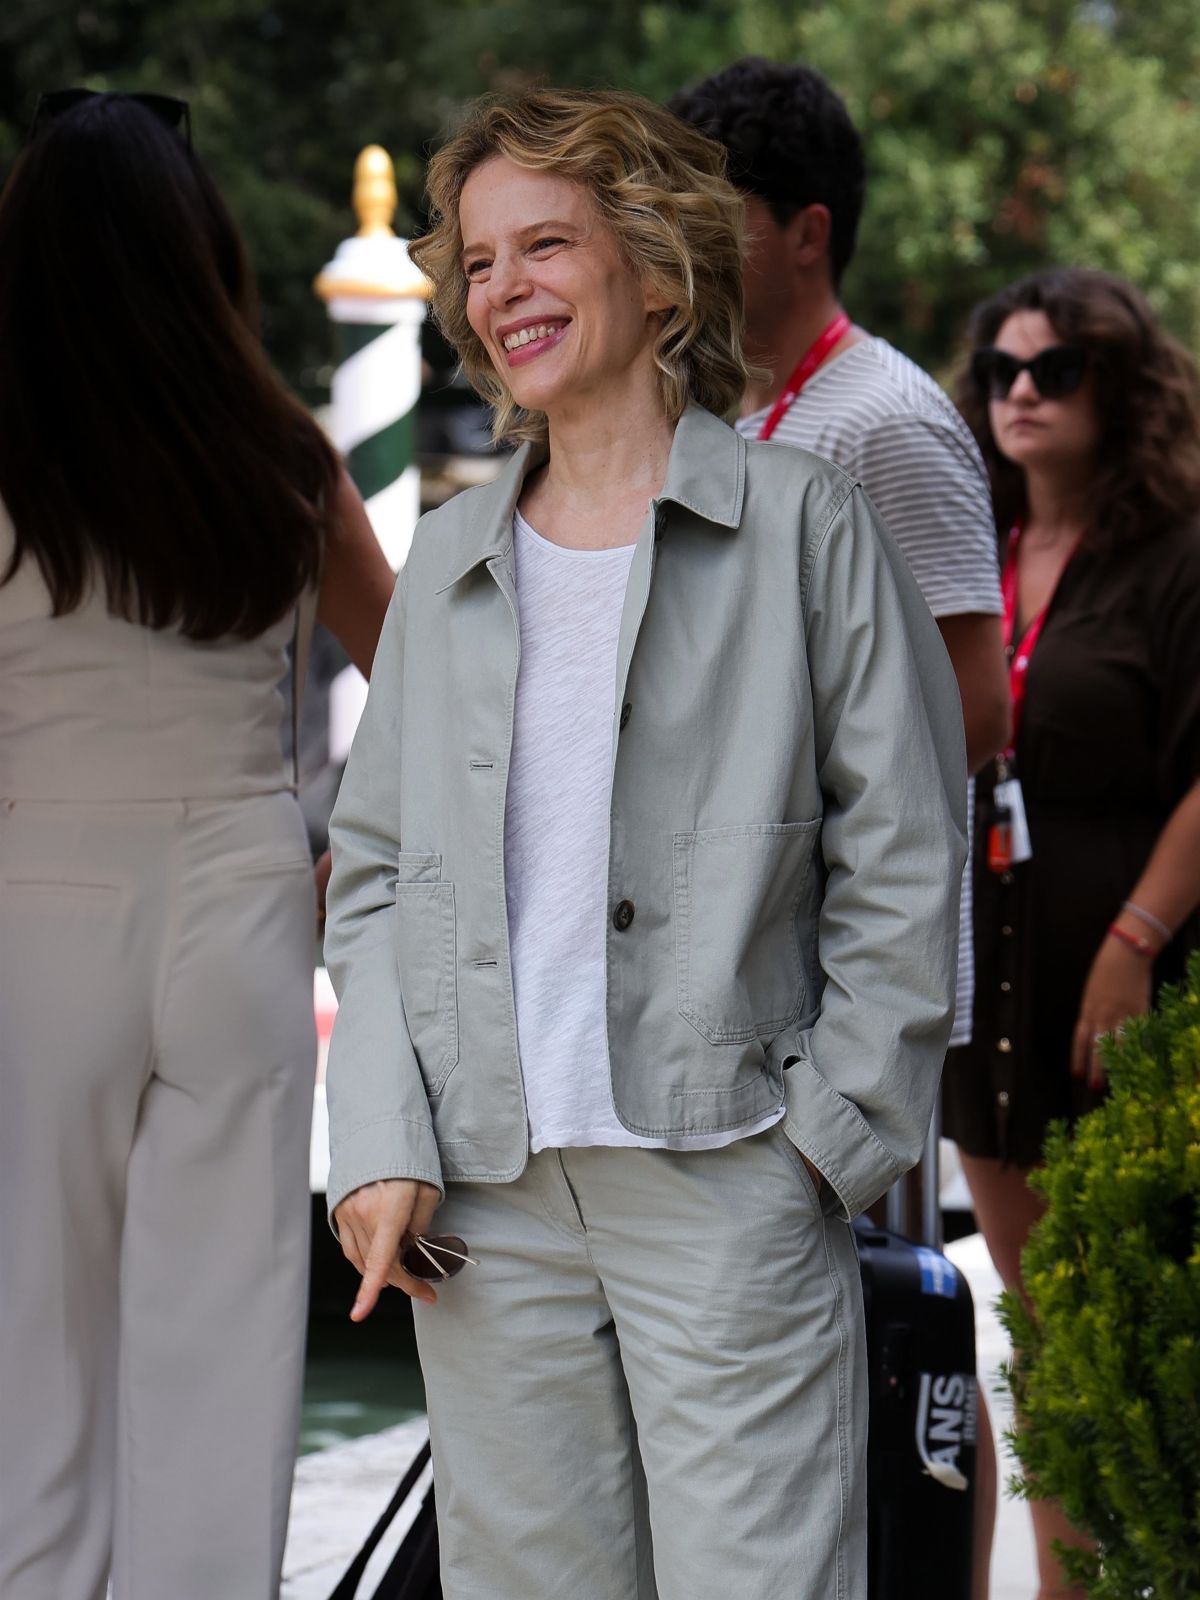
[653,1383]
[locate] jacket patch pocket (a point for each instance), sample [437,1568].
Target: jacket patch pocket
[739,896]
[427,960]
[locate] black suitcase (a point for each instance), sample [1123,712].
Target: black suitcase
[921,1444]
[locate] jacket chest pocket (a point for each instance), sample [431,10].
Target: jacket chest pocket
[427,960]
[740,895]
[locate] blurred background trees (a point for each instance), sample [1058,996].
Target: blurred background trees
[1001,134]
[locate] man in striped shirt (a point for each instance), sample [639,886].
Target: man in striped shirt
[797,157]
[842,393]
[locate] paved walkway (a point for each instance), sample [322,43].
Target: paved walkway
[340,1492]
[1014,1569]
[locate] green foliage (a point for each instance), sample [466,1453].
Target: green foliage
[1002,135]
[1106,1376]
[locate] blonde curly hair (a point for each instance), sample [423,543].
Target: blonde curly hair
[661,188]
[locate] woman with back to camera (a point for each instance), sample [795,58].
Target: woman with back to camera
[643,904]
[1088,416]
[164,503]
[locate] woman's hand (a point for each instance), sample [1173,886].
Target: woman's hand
[373,1222]
[1118,987]
[322,868]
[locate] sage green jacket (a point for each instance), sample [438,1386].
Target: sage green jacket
[787,838]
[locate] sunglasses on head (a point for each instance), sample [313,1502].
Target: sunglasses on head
[172,113]
[1056,372]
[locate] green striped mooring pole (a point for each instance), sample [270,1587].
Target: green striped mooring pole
[376,299]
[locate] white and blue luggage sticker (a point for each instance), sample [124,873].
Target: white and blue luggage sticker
[937,1274]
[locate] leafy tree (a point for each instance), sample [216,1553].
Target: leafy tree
[1001,135]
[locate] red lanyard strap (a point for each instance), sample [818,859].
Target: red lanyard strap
[1021,656]
[808,364]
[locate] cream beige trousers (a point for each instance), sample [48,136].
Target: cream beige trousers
[654,1382]
[156,1077]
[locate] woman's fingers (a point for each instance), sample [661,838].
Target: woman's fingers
[381,1257]
[353,1248]
[1114,1026]
[322,869]
[372,1224]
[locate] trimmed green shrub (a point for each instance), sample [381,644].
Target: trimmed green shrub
[1106,1371]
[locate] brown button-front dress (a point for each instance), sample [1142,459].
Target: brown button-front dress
[1109,744]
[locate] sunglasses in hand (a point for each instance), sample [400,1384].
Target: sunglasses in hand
[433,1256]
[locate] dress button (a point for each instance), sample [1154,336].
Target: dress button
[1006,930]
[1004,1046]
[622,915]
[1002,1098]
[1005,986]
[1006,878]
[626,713]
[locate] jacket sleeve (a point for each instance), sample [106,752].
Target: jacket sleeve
[890,752]
[380,1124]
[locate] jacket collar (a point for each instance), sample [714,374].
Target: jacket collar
[706,473]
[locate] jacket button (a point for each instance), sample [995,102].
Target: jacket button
[626,713]
[622,915]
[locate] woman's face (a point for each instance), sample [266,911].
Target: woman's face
[1033,432]
[559,310]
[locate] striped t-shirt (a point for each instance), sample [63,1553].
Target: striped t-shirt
[885,422]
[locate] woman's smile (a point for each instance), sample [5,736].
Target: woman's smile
[531,337]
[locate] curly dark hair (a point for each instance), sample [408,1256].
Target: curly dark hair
[789,140]
[1147,396]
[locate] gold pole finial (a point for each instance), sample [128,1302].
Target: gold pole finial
[375,193]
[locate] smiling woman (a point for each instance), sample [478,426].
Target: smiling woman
[656,715]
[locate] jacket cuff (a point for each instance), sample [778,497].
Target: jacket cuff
[389,1147]
[835,1136]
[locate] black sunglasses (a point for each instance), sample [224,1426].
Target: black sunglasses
[1056,372]
[172,113]
[433,1256]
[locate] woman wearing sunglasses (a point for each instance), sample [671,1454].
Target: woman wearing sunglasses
[164,504]
[657,716]
[1087,862]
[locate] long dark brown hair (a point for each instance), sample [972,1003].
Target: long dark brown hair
[144,439]
[1147,397]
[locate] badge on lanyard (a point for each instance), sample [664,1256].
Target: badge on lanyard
[1008,842]
[1008,836]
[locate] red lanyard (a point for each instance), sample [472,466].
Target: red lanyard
[808,364]
[1019,666]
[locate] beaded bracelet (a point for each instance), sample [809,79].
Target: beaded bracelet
[1133,940]
[1149,919]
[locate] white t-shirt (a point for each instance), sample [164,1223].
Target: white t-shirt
[885,422]
[556,833]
